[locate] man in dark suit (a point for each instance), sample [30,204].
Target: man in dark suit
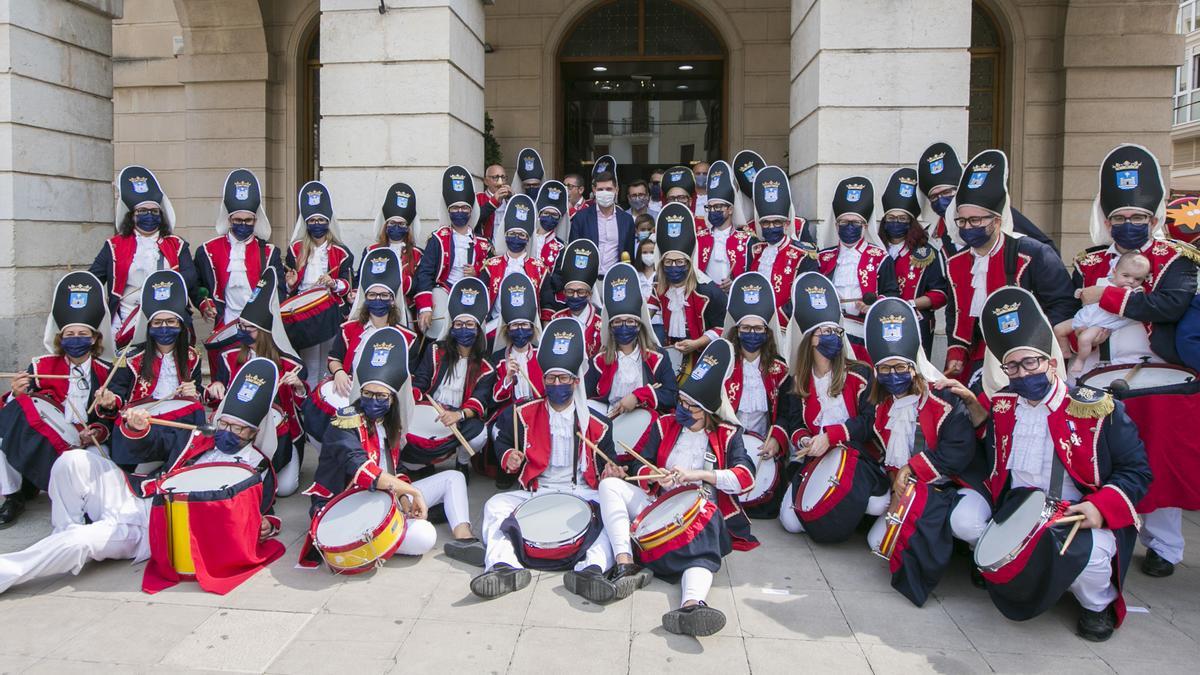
[601,221]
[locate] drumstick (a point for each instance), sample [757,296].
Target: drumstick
[1070,537]
[638,457]
[38,377]
[117,365]
[83,421]
[656,476]
[206,429]
[595,449]
[1068,519]
[454,430]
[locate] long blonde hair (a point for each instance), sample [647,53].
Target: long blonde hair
[611,349]
[307,245]
[802,371]
[661,284]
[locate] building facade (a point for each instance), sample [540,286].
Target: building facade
[362,93]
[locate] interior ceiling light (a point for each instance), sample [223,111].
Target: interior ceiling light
[681,86]
[599,69]
[686,67]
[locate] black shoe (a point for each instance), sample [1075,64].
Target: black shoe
[500,580]
[1156,566]
[469,551]
[11,510]
[465,470]
[1096,626]
[505,481]
[977,579]
[590,583]
[697,620]
[436,514]
[627,578]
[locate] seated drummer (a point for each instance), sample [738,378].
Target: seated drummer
[927,437]
[518,378]
[101,512]
[632,370]
[700,445]
[828,404]
[455,374]
[75,340]
[551,457]
[361,451]
[1036,422]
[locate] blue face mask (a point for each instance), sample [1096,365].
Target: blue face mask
[227,442]
[625,335]
[77,346]
[683,417]
[576,303]
[829,346]
[460,218]
[941,204]
[752,342]
[1032,387]
[516,244]
[850,233]
[896,384]
[465,337]
[559,394]
[1129,236]
[655,192]
[244,337]
[772,233]
[676,274]
[975,237]
[895,229]
[164,335]
[317,230]
[148,222]
[643,235]
[717,218]
[531,192]
[520,337]
[379,307]
[397,232]
[548,222]
[639,203]
[374,409]
[241,231]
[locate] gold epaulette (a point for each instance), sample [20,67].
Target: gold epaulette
[922,260]
[1186,250]
[1090,403]
[347,420]
[809,249]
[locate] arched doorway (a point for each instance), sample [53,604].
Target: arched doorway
[985,118]
[644,81]
[308,128]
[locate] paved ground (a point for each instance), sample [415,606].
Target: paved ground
[790,604]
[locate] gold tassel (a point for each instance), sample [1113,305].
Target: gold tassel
[1187,251]
[346,421]
[1090,403]
[922,263]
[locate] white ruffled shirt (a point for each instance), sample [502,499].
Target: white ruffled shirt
[145,261]
[845,278]
[1032,455]
[718,261]
[462,251]
[979,268]
[450,392]
[562,449]
[237,288]
[689,452]
[628,377]
[521,384]
[315,267]
[168,377]
[902,425]
[676,302]
[79,388]
[753,407]
[766,259]
[833,408]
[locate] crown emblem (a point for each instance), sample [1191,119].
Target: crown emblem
[255,379]
[521,207]
[516,289]
[747,165]
[1126,165]
[385,346]
[855,186]
[934,158]
[983,167]
[456,176]
[241,184]
[710,360]
[908,181]
[582,251]
[314,193]
[402,193]
[893,318]
[674,218]
[619,282]
[814,289]
[79,288]
[752,288]
[381,260]
[1006,309]
[770,184]
[470,292]
[563,335]
[161,284]
[141,179]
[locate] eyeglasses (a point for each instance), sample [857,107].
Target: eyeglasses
[164,323]
[316,221]
[690,407]
[623,323]
[898,369]
[1135,219]
[573,186]
[901,218]
[379,296]
[142,212]
[974,221]
[675,262]
[717,207]
[243,432]
[463,324]
[517,234]
[558,379]
[752,330]
[851,221]
[828,330]
[498,176]
[520,325]
[375,395]
[678,199]
[244,221]
[1028,364]
[577,292]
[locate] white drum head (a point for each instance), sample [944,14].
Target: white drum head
[765,470]
[1150,376]
[301,299]
[553,517]
[225,333]
[165,406]
[327,392]
[203,478]
[823,475]
[665,511]
[348,519]
[424,423]
[676,358]
[629,427]
[1001,539]
[56,420]
[439,327]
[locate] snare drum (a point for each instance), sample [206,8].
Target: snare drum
[832,494]
[895,518]
[553,526]
[439,326]
[1151,378]
[311,317]
[180,489]
[185,410]
[671,522]
[766,472]
[358,530]
[424,425]
[1018,554]
[628,429]
[321,407]
[51,422]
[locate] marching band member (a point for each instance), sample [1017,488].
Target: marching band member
[631,370]
[552,218]
[861,271]
[100,512]
[397,227]
[317,259]
[778,255]
[1077,445]
[453,250]
[746,165]
[679,187]
[549,455]
[518,378]
[829,402]
[1128,215]
[699,446]
[145,242]
[456,374]
[981,217]
[361,451]
[723,249]
[376,304]
[530,172]
[261,335]
[919,266]
[927,437]
[576,275]
[57,393]
[691,305]
[512,255]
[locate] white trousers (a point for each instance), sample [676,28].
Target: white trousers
[287,480]
[83,483]
[449,488]
[10,478]
[315,360]
[500,547]
[787,515]
[1162,531]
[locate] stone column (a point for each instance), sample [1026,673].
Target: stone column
[1119,61]
[56,157]
[873,83]
[401,98]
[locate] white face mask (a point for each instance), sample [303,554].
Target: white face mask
[606,198]
[648,259]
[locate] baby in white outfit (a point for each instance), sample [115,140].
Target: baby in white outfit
[1130,271]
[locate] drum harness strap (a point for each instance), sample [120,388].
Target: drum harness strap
[710,462]
[1056,480]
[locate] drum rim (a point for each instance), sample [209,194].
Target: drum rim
[1016,552]
[758,464]
[42,399]
[845,453]
[891,530]
[375,531]
[1100,370]
[210,465]
[658,503]
[583,504]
